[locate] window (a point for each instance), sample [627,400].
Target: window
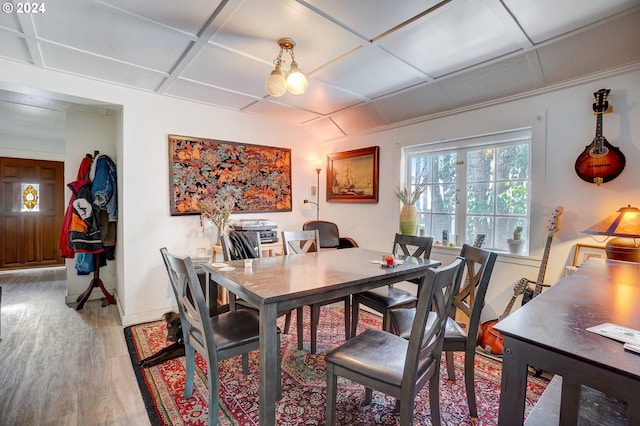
[478,185]
[30,197]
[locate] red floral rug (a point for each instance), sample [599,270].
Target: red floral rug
[303,384]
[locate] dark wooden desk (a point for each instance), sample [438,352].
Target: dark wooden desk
[549,333]
[285,282]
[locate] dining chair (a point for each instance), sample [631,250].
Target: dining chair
[390,364]
[468,301]
[329,234]
[217,338]
[246,245]
[297,242]
[385,298]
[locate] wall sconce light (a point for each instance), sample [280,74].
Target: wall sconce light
[294,81]
[624,224]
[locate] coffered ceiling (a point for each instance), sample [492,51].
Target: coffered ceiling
[370,63]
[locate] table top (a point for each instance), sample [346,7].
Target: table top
[601,291]
[281,278]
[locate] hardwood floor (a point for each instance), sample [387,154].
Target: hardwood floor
[59,366]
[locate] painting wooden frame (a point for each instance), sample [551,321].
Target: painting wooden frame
[584,252]
[352,176]
[257,176]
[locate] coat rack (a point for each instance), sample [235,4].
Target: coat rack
[96,282]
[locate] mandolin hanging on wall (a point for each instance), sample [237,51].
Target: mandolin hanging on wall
[600,161]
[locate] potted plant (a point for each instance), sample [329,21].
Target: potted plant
[217,211]
[515,243]
[408,197]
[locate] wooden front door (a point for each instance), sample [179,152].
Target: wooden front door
[31,212]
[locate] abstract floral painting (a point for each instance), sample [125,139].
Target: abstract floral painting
[258,177]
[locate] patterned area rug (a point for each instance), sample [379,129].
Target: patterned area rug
[303,384]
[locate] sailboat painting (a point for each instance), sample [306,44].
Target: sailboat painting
[352,176]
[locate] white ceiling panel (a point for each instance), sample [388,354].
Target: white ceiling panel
[408,105]
[318,41]
[371,18]
[322,98]
[226,69]
[601,52]
[186,89]
[76,62]
[358,119]
[189,17]
[370,73]
[544,19]
[278,111]
[14,47]
[324,129]
[512,75]
[481,33]
[370,63]
[9,21]
[137,41]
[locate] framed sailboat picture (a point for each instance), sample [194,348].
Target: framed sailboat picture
[352,176]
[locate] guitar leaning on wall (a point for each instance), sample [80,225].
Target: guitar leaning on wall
[489,339]
[553,229]
[600,161]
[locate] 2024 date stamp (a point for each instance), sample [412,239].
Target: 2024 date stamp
[24,8]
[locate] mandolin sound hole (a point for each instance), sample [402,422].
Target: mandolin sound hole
[599,152]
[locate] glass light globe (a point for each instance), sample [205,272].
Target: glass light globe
[276,84]
[296,81]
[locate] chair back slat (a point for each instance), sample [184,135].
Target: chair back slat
[297,242]
[470,298]
[427,332]
[411,245]
[194,314]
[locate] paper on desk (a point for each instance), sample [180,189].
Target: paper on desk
[617,332]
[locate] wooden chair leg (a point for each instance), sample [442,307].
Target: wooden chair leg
[469,379]
[347,318]
[434,398]
[355,314]
[332,384]
[451,371]
[315,320]
[368,395]
[214,399]
[245,364]
[287,322]
[299,324]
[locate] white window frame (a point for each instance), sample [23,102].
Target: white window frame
[461,146]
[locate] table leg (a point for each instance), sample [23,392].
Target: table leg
[514,384]
[269,351]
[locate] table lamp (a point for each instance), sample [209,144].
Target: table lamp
[625,225]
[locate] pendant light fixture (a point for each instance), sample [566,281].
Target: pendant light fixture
[294,80]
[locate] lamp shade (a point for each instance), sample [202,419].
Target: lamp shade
[624,224]
[296,81]
[276,84]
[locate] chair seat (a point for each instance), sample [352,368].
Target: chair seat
[375,354]
[402,320]
[390,297]
[235,328]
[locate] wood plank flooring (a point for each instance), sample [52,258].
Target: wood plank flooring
[59,366]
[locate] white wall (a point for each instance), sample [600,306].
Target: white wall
[87,133]
[565,126]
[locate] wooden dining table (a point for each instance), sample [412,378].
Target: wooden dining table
[276,284]
[550,333]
